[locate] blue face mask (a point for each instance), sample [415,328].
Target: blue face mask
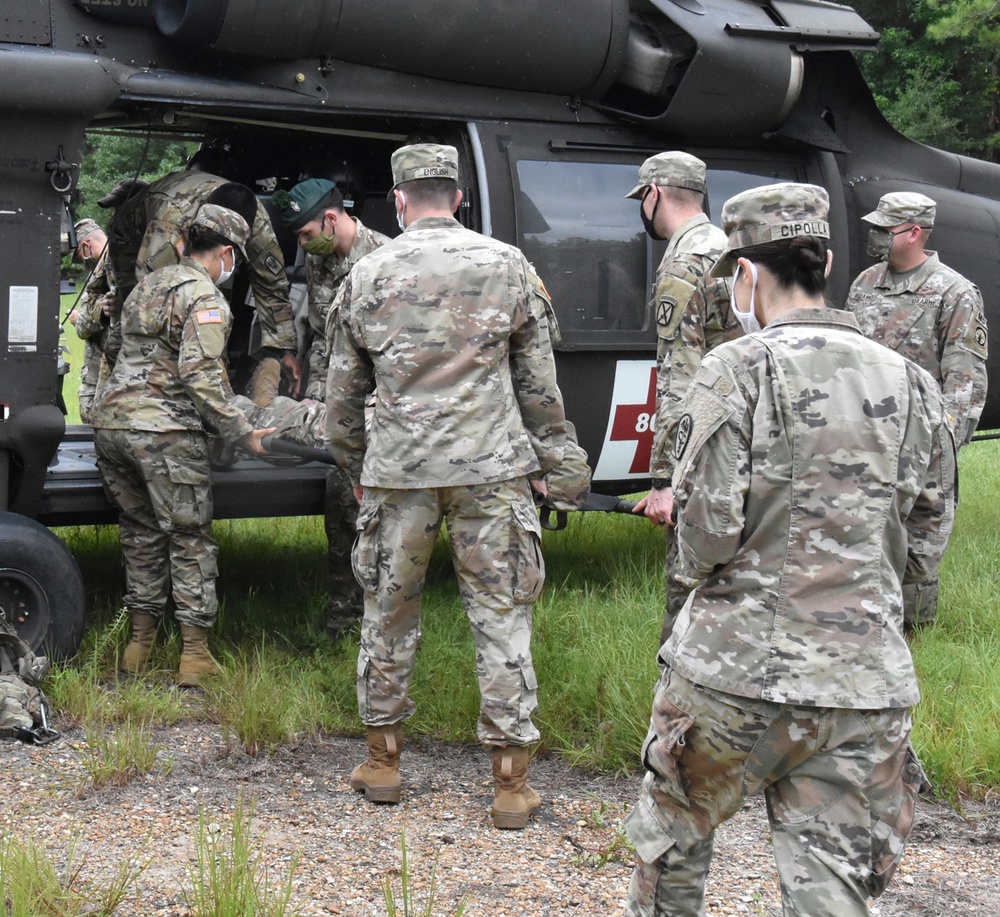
[748,320]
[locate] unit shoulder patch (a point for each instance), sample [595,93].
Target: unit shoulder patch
[672,297]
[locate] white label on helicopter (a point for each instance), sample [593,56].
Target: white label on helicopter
[628,442]
[22,318]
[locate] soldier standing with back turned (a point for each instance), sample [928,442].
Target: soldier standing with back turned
[929,313]
[814,479]
[451,327]
[692,316]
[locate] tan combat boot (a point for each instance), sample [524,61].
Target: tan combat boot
[265,382]
[514,800]
[140,645]
[378,777]
[196,660]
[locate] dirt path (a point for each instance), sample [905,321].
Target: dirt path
[569,861]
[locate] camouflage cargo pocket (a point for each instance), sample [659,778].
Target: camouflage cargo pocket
[664,746]
[190,491]
[528,565]
[890,832]
[365,553]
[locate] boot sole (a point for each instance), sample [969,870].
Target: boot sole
[378,794]
[513,821]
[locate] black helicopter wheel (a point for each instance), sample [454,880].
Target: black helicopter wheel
[41,589]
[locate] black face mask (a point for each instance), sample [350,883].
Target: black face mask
[647,222]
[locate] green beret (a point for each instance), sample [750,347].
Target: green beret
[303,202]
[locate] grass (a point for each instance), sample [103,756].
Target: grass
[117,756]
[408,906]
[596,629]
[229,878]
[33,885]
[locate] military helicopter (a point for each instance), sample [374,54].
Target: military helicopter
[552,107]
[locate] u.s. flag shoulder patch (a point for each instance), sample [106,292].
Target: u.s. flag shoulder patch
[208,317]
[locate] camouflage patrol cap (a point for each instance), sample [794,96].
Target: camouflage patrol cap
[303,202]
[227,223]
[772,213]
[83,228]
[125,189]
[674,169]
[423,160]
[903,207]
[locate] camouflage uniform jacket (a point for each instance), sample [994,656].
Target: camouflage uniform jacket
[324,275]
[935,317]
[692,316]
[815,475]
[451,325]
[91,322]
[146,234]
[170,374]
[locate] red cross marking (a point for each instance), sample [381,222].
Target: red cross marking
[636,422]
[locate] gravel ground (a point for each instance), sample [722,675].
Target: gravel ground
[569,861]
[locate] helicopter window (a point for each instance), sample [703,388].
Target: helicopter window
[587,244]
[726,183]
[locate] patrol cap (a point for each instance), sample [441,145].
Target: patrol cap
[83,228]
[674,169]
[125,189]
[423,160]
[227,223]
[903,207]
[772,213]
[303,202]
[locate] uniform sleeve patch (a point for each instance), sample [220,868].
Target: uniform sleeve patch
[208,317]
[672,297]
[273,265]
[683,436]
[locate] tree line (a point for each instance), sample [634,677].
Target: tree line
[936,73]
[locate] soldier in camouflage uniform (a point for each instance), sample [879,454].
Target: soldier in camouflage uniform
[334,242]
[92,320]
[168,384]
[813,477]
[451,327]
[147,230]
[917,306]
[692,315]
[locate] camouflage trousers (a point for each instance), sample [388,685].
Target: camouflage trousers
[93,374]
[920,601]
[495,541]
[160,483]
[304,422]
[840,786]
[340,519]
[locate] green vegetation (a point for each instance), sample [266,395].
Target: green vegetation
[408,906]
[596,629]
[32,885]
[230,878]
[936,73]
